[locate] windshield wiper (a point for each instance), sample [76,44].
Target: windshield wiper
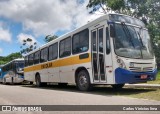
[125,28]
[141,41]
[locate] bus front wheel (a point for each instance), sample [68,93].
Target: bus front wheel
[83,81]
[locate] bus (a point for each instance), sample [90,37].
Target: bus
[114,49]
[12,72]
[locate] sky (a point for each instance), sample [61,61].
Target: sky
[22,19]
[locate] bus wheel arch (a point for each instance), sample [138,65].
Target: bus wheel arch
[82,75]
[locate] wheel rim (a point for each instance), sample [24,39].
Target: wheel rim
[83,81]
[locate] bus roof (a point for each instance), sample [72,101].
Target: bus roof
[18,59]
[89,24]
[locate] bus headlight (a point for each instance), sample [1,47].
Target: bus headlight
[121,63]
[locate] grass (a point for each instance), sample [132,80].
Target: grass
[135,92]
[151,94]
[157,81]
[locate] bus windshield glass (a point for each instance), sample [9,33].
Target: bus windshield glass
[132,42]
[20,65]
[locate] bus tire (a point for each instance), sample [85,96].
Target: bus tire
[38,81]
[83,81]
[117,86]
[12,81]
[31,83]
[4,81]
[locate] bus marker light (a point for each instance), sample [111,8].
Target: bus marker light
[110,71]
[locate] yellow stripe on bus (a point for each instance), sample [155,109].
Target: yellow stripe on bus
[58,63]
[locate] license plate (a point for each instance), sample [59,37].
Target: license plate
[143,76]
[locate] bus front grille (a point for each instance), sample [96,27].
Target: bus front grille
[140,69]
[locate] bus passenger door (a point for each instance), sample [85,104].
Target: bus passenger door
[98,56]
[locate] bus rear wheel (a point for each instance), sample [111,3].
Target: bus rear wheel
[83,81]
[117,86]
[38,81]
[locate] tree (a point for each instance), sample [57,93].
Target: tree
[49,38]
[115,5]
[4,60]
[28,46]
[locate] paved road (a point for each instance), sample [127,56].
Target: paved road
[55,95]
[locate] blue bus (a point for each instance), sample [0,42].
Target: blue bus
[12,72]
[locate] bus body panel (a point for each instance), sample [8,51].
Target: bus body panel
[117,69]
[53,74]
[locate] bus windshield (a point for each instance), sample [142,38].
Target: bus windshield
[132,42]
[20,65]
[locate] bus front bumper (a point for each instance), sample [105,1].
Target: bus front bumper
[125,76]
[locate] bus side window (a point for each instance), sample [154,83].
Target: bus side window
[53,51]
[36,57]
[65,47]
[80,42]
[26,61]
[44,55]
[30,59]
[107,42]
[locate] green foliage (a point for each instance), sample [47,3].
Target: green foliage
[4,60]
[93,3]
[49,38]
[116,4]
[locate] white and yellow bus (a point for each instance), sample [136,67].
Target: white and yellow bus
[113,49]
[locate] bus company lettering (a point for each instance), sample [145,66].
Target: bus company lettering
[47,65]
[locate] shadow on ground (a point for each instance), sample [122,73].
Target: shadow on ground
[99,90]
